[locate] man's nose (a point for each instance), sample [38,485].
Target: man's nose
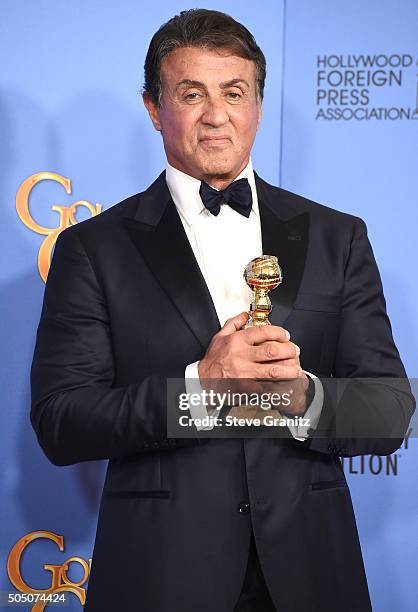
[215,112]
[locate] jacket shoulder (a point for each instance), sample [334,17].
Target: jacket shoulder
[294,204]
[107,218]
[111,218]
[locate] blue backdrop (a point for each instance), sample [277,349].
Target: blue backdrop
[339,126]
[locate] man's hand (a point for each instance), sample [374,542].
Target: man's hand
[254,354]
[257,352]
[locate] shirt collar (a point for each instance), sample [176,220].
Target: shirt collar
[184,190]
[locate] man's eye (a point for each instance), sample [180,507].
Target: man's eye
[234,95]
[193,95]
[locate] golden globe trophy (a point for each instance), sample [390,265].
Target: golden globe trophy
[262,274]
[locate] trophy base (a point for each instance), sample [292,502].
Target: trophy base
[256,323]
[248,412]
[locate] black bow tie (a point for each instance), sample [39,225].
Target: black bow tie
[238,195]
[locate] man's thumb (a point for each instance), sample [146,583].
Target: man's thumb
[234,324]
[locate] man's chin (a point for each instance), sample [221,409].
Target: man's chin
[220,169]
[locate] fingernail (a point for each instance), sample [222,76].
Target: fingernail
[297,350]
[287,335]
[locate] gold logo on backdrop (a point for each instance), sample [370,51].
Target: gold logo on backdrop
[67,215]
[60,582]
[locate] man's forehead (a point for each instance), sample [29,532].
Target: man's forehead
[202,64]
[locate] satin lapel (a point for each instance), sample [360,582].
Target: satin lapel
[288,240]
[158,234]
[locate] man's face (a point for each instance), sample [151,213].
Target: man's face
[209,113]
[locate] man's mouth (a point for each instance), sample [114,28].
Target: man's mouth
[215,141]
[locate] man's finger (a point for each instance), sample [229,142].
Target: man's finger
[274,351]
[234,324]
[277,371]
[265,333]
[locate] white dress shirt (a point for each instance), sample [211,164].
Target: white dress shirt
[223,245]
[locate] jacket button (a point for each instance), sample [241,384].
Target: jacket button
[244,508]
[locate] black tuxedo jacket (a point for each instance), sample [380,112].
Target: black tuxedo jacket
[126,307]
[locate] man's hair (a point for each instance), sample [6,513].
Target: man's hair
[205,29]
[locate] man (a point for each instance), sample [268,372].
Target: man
[152,289]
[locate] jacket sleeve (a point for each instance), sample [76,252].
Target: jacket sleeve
[368,402]
[77,412]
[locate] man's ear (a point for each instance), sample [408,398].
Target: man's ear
[260,114]
[153,110]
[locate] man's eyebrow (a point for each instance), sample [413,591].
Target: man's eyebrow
[190,83]
[233,82]
[224,85]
